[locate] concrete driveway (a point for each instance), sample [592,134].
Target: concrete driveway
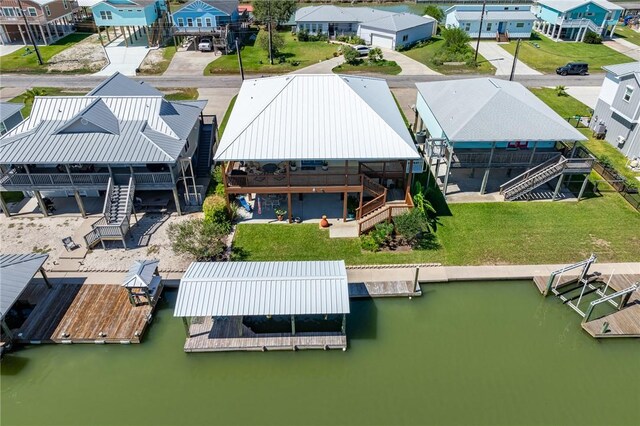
[585,94]
[6,49]
[218,100]
[123,58]
[625,47]
[409,66]
[190,63]
[323,67]
[502,60]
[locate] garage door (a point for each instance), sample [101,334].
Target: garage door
[381,41]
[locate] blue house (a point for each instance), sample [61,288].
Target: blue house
[137,16]
[571,19]
[500,21]
[206,15]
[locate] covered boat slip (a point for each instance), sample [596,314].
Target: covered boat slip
[260,306]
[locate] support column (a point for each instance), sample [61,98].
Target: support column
[485,178]
[108,36]
[45,212]
[185,322]
[45,278]
[76,194]
[24,41]
[343,328]
[44,38]
[558,185]
[49,32]
[4,206]
[584,33]
[176,199]
[7,330]
[583,187]
[446,176]
[293,325]
[559,31]
[613,30]
[289,207]
[344,207]
[124,36]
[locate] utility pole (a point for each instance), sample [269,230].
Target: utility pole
[239,59]
[515,61]
[33,40]
[270,42]
[484,5]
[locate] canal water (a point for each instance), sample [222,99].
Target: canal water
[462,354]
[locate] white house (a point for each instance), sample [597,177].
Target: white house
[377,27]
[500,21]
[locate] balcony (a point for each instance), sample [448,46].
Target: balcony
[19,20]
[480,158]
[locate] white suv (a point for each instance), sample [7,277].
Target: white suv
[205,45]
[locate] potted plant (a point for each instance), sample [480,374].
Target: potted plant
[325,166]
[293,166]
[352,205]
[280,214]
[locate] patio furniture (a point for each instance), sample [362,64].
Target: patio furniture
[69,244]
[244,203]
[270,168]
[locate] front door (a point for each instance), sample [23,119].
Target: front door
[501,26]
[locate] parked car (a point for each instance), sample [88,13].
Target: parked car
[573,68]
[362,50]
[205,45]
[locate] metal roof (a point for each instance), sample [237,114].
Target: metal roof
[226,6]
[369,17]
[620,70]
[567,5]
[488,109]
[16,271]
[7,109]
[263,288]
[140,274]
[121,85]
[495,15]
[315,117]
[101,130]
[398,22]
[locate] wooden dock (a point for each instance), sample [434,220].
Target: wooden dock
[229,334]
[622,323]
[384,289]
[83,313]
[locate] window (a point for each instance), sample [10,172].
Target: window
[207,21]
[65,3]
[8,11]
[628,91]
[18,11]
[47,10]
[489,25]
[32,11]
[519,24]
[589,14]
[467,26]
[405,37]
[180,22]
[3,129]
[198,22]
[105,15]
[189,22]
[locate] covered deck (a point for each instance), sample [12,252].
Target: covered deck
[261,306]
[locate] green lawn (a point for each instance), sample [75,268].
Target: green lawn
[628,34]
[227,113]
[184,94]
[567,106]
[529,233]
[256,60]
[550,55]
[167,55]
[17,62]
[386,67]
[424,54]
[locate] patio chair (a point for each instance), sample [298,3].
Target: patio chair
[69,244]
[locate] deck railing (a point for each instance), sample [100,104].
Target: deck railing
[294,179]
[508,158]
[24,181]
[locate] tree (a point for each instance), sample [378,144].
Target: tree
[277,42]
[351,55]
[201,239]
[435,12]
[277,10]
[455,40]
[375,54]
[31,94]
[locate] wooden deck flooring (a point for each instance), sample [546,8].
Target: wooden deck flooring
[224,335]
[83,313]
[622,323]
[383,289]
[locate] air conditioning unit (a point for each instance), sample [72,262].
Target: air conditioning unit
[621,140]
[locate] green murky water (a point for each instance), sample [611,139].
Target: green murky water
[483,353]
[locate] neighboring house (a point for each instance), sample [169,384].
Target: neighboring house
[571,19]
[486,123]
[143,16]
[500,21]
[618,108]
[123,137]
[10,116]
[206,15]
[377,27]
[49,20]
[320,138]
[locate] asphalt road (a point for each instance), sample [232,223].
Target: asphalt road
[90,81]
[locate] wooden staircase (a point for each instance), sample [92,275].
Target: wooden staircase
[502,37]
[379,209]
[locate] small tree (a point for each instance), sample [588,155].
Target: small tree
[277,42]
[375,54]
[351,55]
[201,239]
[411,225]
[435,12]
[455,40]
[561,90]
[278,11]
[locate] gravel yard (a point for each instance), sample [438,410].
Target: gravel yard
[87,55]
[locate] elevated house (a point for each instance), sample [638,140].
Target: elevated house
[121,139]
[10,116]
[570,20]
[500,21]
[214,19]
[48,20]
[490,124]
[617,112]
[134,18]
[320,138]
[377,27]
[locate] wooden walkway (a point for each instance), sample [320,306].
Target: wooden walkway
[83,313]
[225,335]
[384,289]
[622,323]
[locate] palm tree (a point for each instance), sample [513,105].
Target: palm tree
[31,94]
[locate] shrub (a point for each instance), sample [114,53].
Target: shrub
[411,225]
[199,238]
[351,55]
[561,90]
[368,243]
[592,38]
[215,210]
[456,40]
[303,35]
[375,55]
[351,39]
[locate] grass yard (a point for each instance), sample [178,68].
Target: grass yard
[185,94]
[256,60]
[565,106]
[17,62]
[530,233]
[425,53]
[551,55]
[628,34]
[160,67]
[385,67]
[227,113]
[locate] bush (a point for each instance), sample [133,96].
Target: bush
[592,38]
[351,39]
[456,40]
[375,55]
[199,238]
[303,35]
[411,225]
[351,55]
[215,210]
[377,237]
[368,243]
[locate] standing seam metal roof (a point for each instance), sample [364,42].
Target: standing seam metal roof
[140,274]
[263,288]
[16,272]
[7,109]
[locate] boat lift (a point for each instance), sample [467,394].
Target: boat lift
[552,284]
[624,294]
